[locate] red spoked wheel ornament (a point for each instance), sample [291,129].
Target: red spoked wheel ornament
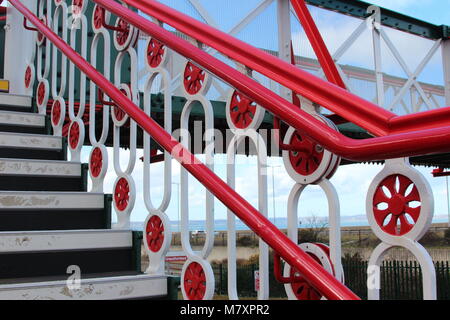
[74,135]
[42,94]
[40,38]
[195,80]
[125,35]
[300,289]
[96,162]
[28,76]
[306,155]
[306,161]
[119,116]
[194,281]
[99,16]
[156,53]
[396,205]
[154,232]
[56,113]
[242,112]
[122,194]
[77,6]
[118,112]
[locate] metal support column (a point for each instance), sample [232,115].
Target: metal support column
[284,38]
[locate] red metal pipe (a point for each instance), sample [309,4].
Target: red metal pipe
[317,43]
[365,114]
[3,18]
[320,279]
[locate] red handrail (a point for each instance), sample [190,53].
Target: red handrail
[367,115]
[320,279]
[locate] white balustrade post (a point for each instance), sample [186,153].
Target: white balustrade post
[284,38]
[446,68]
[18,53]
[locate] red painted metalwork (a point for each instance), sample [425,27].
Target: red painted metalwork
[392,205]
[155,53]
[306,155]
[242,110]
[195,281]
[99,17]
[291,253]
[28,77]
[56,112]
[365,114]
[122,31]
[155,233]
[194,78]
[96,162]
[77,5]
[122,194]
[40,93]
[74,135]
[3,18]
[440,173]
[317,43]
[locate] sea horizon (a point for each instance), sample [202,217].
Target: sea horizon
[281,223]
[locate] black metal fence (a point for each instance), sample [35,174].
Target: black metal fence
[400,280]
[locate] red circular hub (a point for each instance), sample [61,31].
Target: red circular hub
[28,77]
[393,205]
[194,78]
[301,288]
[96,163]
[306,155]
[242,110]
[98,17]
[77,5]
[56,112]
[155,233]
[74,135]
[118,112]
[155,53]
[41,93]
[122,194]
[122,36]
[195,281]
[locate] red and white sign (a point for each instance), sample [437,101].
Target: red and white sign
[257,280]
[176,258]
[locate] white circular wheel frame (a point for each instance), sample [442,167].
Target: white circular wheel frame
[206,82]
[119,123]
[164,57]
[107,19]
[258,117]
[209,277]
[319,253]
[131,40]
[328,165]
[424,221]
[104,168]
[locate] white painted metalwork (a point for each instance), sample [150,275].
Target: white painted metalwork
[408,240]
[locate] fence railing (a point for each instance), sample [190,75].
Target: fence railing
[400,280]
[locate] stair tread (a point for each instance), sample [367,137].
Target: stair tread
[29,141]
[17,118]
[35,280]
[11,166]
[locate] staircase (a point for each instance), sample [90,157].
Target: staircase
[51,227]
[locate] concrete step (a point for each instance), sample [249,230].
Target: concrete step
[96,288]
[32,146]
[22,122]
[42,175]
[33,210]
[12,102]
